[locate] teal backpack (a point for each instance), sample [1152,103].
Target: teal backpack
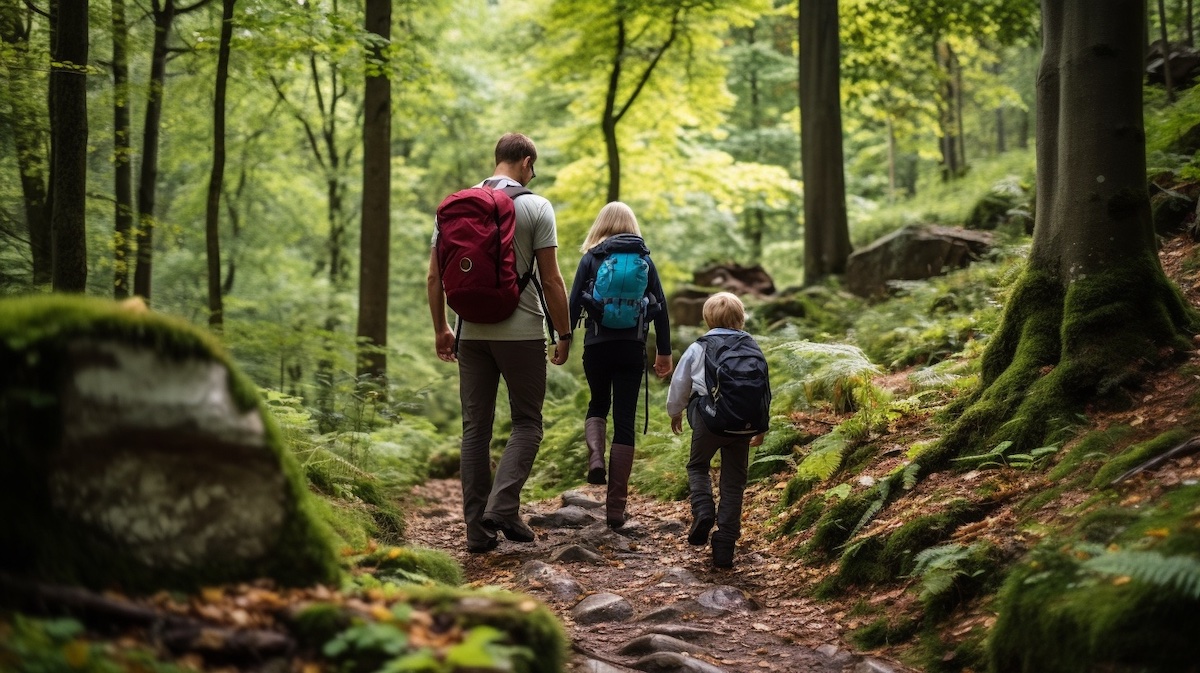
[619,293]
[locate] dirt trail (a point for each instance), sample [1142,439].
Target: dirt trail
[749,618]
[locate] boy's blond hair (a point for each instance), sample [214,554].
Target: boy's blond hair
[724,309]
[614,218]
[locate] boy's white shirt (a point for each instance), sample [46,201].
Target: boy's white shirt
[689,375]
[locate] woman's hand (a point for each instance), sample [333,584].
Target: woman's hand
[663,365]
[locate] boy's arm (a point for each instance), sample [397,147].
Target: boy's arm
[681,383]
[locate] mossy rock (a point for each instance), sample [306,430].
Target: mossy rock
[138,456]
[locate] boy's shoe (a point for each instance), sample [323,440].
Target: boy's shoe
[616,523]
[698,534]
[722,552]
[513,529]
[596,476]
[488,546]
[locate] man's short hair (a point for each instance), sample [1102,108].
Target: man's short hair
[513,148]
[724,309]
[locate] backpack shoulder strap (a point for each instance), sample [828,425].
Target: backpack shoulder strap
[514,192]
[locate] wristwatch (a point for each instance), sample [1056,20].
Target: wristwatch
[566,337]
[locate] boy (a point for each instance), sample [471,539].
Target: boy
[722,382]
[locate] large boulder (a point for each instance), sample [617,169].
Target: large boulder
[135,455]
[686,304]
[913,252]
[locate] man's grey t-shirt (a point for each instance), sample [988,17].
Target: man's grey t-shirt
[535,230]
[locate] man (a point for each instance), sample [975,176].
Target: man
[515,349]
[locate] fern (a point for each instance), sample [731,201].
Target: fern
[830,372]
[938,567]
[824,457]
[884,488]
[1179,572]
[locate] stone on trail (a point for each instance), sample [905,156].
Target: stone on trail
[727,599]
[576,553]
[680,576]
[580,499]
[571,516]
[657,642]
[667,662]
[595,666]
[603,607]
[672,612]
[682,632]
[139,457]
[562,586]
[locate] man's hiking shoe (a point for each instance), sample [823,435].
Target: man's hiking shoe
[513,529]
[484,548]
[698,534]
[722,552]
[596,476]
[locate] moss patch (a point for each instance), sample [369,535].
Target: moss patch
[1059,610]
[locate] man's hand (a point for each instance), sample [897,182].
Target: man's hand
[677,422]
[757,440]
[444,342]
[561,350]
[663,365]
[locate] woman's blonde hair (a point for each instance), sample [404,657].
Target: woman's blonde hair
[614,218]
[724,309]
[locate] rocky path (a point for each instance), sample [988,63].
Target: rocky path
[644,600]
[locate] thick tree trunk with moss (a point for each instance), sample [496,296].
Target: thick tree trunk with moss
[1094,304]
[826,234]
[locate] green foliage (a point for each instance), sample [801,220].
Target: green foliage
[997,457]
[777,451]
[1171,573]
[1172,138]
[408,565]
[1139,453]
[837,373]
[824,457]
[34,645]
[927,322]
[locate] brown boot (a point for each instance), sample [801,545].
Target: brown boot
[620,464]
[595,433]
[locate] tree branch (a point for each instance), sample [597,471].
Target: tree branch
[650,68]
[36,9]
[308,131]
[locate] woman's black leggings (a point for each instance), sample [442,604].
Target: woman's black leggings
[614,373]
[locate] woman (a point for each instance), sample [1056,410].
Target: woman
[618,288]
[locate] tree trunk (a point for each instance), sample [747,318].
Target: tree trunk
[1191,42]
[212,212]
[608,123]
[375,240]
[1162,29]
[945,106]
[148,176]
[29,138]
[1001,140]
[1023,130]
[1093,303]
[891,155]
[122,156]
[826,233]
[958,112]
[68,145]
[613,113]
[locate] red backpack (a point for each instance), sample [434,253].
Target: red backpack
[475,253]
